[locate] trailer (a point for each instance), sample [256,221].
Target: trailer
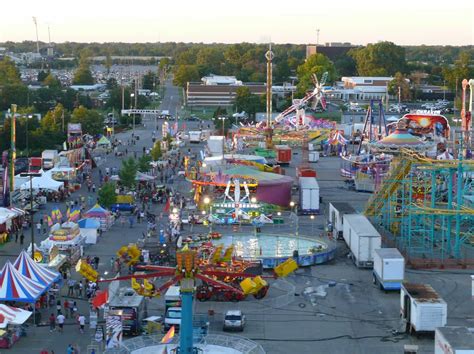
[422,308]
[337,210]
[362,239]
[454,340]
[389,268]
[283,154]
[309,195]
[313,156]
[195,136]
[215,144]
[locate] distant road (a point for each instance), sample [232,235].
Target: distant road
[172,100]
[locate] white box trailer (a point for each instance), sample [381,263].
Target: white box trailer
[313,156]
[454,340]
[195,136]
[309,195]
[422,308]
[362,238]
[389,268]
[215,144]
[337,210]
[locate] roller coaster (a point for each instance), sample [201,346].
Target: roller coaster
[424,207]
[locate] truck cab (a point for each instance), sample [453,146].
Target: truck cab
[172,318]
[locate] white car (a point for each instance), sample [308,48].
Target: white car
[234,320]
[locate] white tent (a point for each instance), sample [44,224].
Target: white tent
[45,181]
[12,315]
[6,214]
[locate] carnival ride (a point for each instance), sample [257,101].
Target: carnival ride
[188,269]
[422,207]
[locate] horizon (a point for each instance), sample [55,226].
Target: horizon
[409,24]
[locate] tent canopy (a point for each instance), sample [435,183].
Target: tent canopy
[103,142]
[96,212]
[43,182]
[37,272]
[14,286]
[6,214]
[12,315]
[89,224]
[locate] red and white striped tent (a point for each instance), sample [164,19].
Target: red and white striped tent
[12,315]
[14,286]
[37,272]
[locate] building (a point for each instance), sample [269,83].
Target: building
[215,90]
[359,88]
[332,50]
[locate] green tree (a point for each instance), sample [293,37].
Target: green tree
[128,172]
[52,81]
[209,60]
[83,74]
[108,62]
[184,74]
[149,81]
[9,74]
[106,195]
[380,59]
[400,80]
[144,163]
[42,75]
[156,151]
[115,99]
[53,120]
[345,66]
[315,64]
[460,70]
[91,120]
[248,102]
[13,93]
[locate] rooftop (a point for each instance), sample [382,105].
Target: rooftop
[422,292]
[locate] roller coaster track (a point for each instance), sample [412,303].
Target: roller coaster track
[398,173]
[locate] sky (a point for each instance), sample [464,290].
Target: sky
[405,22]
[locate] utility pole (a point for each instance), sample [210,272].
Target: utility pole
[13,148]
[37,38]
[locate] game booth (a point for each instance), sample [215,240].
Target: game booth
[90,229]
[104,216]
[11,220]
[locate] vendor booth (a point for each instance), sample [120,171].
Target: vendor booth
[65,242]
[11,318]
[14,286]
[90,230]
[104,216]
[11,220]
[104,143]
[45,182]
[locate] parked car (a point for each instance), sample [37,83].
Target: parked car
[234,320]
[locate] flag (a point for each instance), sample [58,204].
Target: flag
[100,298]
[168,336]
[74,215]
[59,214]
[167,206]
[50,221]
[53,215]
[6,188]
[68,213]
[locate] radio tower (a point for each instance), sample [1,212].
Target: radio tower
[37,38]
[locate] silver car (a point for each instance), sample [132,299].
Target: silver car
[234,320]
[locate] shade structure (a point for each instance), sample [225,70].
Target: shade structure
[272,188]
[37,272]
[89,223]
[14,286]
[96,212]
[12,315]
[103,141]
[45,181]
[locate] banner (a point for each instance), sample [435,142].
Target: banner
[113,328]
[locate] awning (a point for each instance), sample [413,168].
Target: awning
[12,315]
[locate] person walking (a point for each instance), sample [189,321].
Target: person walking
[93,187]
[16,236]
[58,307]
[22,238]
[52,322]
[38,228]
[67,304]
[82,322]
[60,319]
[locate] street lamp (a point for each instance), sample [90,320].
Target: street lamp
[207,200]
[253,200]
[31,175]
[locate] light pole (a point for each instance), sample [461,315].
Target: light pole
[132,95]
[31,175]
[28,117]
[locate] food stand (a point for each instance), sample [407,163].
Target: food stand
[65,242]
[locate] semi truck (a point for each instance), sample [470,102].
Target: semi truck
[362,239]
